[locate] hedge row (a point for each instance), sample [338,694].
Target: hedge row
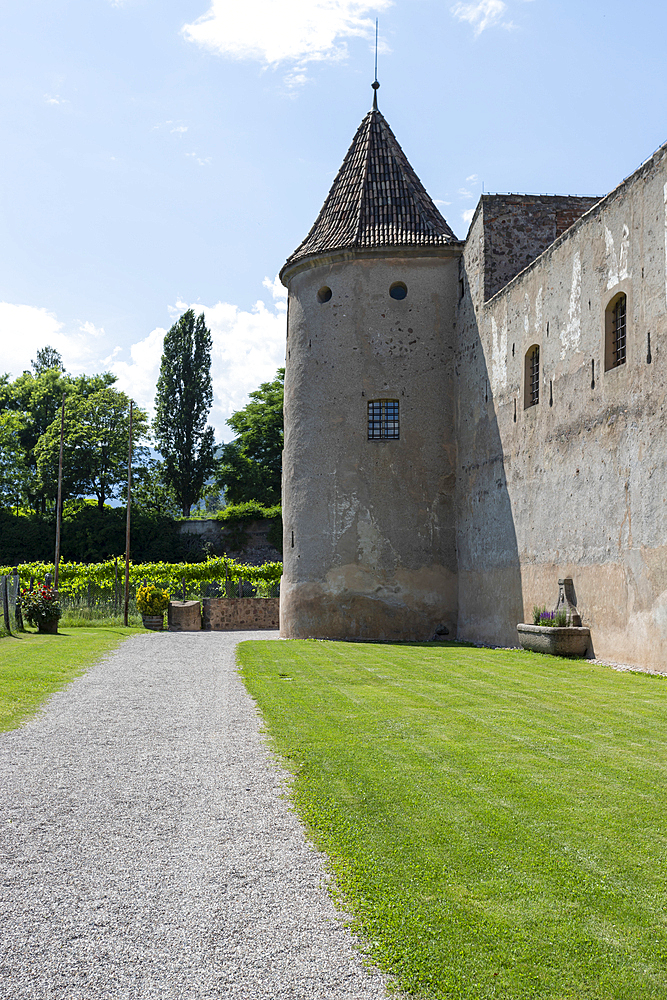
[74,579]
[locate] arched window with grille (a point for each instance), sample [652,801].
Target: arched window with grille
[531,381]
[615,323]
[383,420]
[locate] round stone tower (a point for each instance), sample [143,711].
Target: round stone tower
[370,449]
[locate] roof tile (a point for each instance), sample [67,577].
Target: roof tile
[376,200]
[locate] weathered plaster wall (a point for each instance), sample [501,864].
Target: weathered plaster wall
[369,543]
[576,485]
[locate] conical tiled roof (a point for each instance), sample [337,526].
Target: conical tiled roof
[376,200]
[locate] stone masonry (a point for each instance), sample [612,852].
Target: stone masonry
[518,228]
[221,614]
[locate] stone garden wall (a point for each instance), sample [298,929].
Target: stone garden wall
[221,614]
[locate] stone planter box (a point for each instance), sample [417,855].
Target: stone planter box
[184,616]
[569,641]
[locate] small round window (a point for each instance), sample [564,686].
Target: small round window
[398,290]
[324,294]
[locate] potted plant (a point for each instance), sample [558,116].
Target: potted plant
[558,632]
[152,602]
[41,609]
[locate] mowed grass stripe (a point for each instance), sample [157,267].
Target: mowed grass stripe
[497,821]
[33,666]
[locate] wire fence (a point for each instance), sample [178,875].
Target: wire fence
[106,601]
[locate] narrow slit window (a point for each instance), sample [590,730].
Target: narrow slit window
[616,332]
[619,331]
[383,420]
[532,377]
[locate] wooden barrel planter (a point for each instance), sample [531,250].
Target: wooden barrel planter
[154,622]
[49,627]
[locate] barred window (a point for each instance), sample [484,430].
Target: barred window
[531,391]
[615,332]
[383,420]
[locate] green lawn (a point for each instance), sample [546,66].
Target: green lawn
[496,821]
[33,666]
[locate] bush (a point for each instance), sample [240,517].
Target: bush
[88,535]
[40,606]
[236,516]
[152,600]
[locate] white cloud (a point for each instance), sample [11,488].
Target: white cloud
[138,377]
[177,126]
[467,215]
[481,15]
[278,292]
[440,203]
[55,99]
[91,330]
[24,330]
[205,162]
[298,31]
[248,348]
[464,193]
[472,179]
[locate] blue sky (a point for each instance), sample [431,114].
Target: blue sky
[166,153]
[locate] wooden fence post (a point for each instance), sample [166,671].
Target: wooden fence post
[18,614]
[5,604]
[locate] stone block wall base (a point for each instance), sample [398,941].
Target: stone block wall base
[240,614]
[569,641]
[184,616]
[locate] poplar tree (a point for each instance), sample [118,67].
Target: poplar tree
[182,404]
[250,467]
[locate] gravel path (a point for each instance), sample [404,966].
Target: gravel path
[146,848]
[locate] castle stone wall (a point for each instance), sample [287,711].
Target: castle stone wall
[518,228]
[576,485]
[369,532]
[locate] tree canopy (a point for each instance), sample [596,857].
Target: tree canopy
[47,357]
[96,443]
[250,467]
[182,404]
[29,407]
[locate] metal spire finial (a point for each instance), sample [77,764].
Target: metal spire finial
[375,85]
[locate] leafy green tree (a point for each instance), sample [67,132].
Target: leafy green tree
[35,399]
[182,404]
[15,475]
[95,449]
[46,359]
[250,468]
[150,493]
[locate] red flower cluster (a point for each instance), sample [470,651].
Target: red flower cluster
[47,593]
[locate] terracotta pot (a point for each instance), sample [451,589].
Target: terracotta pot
[569,641]
[154,622]
[50,627]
